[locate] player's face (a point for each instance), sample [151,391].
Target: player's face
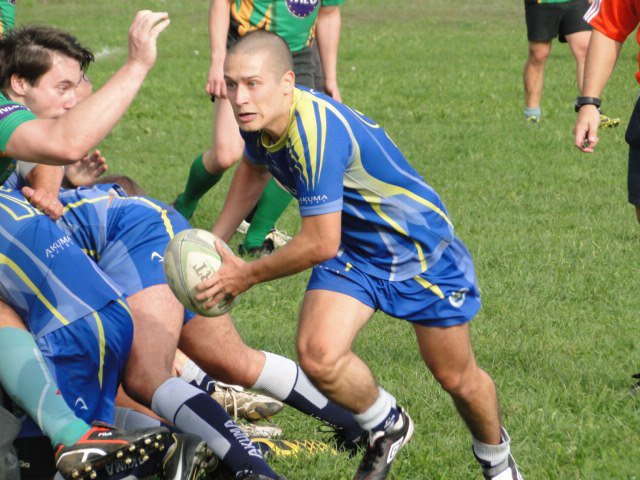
[260,98]
[55,92]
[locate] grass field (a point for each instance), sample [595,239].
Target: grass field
[554,241]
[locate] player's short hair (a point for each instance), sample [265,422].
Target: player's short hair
[128,184]
[26,52]
[266,43]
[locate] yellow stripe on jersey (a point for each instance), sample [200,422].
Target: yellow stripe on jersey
[91,253]
[430,286]
[101,344]
[124,305]
[29,211]
[4,260]
[313,116]
[163,214]
[79,203]
[243,16]
[356,176]
[398,228]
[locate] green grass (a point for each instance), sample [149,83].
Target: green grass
[554,241]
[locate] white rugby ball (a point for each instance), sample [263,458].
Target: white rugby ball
[190,258]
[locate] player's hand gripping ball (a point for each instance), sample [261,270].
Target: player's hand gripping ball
[190,258]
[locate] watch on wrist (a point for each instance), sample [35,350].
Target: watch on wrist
[582,101]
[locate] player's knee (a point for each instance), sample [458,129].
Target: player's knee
[539,54]
[318,362]
[638,213]
[457,383]
[141,383]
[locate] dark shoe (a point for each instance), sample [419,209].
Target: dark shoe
[636,388]
[263,250]
[102,446]
[345,444]
[187,458]
[382,450]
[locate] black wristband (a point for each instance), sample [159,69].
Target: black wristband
[582,101]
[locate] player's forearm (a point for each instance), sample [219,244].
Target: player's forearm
[247,185]
[47,177]
[602,55]
[296,256]
[328,38]
[317,241]
[219,18]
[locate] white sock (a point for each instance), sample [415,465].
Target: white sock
[378,412]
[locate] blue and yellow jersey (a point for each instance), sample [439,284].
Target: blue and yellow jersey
[333,158]
[293,20]
[44,276]
[125,236]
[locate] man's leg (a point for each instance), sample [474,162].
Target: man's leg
[533,77]
[578,42]
[216,346]
[448,354]
[157,317]
[329,322]
[271,205]
[207,169]
[27,380]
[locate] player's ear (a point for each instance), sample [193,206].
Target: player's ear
[18,84]
[289,81]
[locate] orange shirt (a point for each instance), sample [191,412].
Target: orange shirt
[616,19]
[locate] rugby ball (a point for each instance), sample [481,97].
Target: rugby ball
[190,258]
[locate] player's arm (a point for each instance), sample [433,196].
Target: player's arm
[70,137]
[328,38]
[602,55]
[219,19]
[317,241]
[248,183]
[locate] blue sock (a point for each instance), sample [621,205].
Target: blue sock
[532,112]
[26,378]
[284,380]
[195,412]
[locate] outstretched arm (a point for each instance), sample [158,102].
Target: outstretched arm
[70,137]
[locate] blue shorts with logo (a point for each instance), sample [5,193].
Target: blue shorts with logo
[445,295]
[125,236]
[87,360]
[133,256]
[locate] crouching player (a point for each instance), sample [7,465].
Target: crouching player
[378,238]
[82,326]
